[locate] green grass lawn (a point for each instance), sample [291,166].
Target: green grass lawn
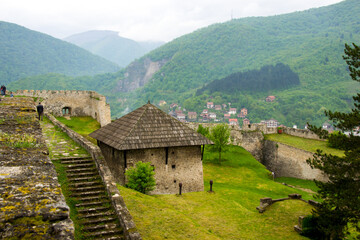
[82,125]
[229,213]
[310,145]
[298,183]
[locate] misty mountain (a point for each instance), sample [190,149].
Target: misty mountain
[24,52]
[111,46]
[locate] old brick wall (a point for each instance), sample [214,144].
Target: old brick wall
[81,103]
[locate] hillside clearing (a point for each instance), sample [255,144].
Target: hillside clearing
[229,213]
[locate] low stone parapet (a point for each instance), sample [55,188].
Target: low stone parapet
[266,202]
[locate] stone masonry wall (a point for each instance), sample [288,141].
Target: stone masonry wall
[287,161]
[250,140]
[81,103]
[283,160]
[184,166]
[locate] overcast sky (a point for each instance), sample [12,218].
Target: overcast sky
[140,20]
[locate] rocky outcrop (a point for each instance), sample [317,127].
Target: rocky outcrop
[138,74]
[32,205]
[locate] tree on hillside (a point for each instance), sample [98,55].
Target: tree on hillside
[341,194]
[203,130]
[220,135]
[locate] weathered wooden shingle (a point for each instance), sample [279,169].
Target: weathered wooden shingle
[148,127]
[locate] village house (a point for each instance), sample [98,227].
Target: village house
[162,103]
[218,107]
[173,105]
[210,105]
[177,112]
[192,115]
[226,116]
[150,135]
[244,111]
[205,111]
[224,105]
[205,117]
[212,115]
[246,122]
[181,117]
[233,122]
[270,123]
[270,98]
[232,111]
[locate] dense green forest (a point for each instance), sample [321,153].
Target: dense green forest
[265,79]
[111,46]
[310,42]
[24,52]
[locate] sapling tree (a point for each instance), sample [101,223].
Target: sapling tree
[220,135]
[340,195]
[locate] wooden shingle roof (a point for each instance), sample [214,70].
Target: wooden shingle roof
[148,127]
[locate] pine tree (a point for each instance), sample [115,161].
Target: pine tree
[341,194]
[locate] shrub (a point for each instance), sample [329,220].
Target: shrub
[141,178]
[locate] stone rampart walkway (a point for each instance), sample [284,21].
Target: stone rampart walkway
[31,202]
[84,187]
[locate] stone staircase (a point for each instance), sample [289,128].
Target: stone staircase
[94,208]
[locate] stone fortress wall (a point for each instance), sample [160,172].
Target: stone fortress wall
[72,103]
[283,160]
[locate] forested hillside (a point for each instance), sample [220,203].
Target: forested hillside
[310,42]
[268,78]
[24,52]
[109,45]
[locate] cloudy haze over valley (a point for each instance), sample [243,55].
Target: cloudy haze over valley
[140,20]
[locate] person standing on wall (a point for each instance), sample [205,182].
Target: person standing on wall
[40,110]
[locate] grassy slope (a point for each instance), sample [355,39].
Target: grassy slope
[230,213]
[82,125]
[310,145]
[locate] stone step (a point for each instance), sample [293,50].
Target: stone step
[82,184]
[115,237]
[104,233]
[80,161]
[82,174]
[78,170]
[81,165]
[97,215]
[92,198]
[101,227]
[89,188]
[89,178]
[86,222]
[93,204]
[93,210]
[84,194]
